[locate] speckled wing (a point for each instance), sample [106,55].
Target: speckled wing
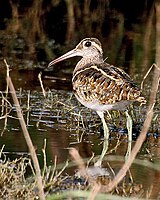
[105,84]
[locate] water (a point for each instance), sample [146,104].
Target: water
[60,119]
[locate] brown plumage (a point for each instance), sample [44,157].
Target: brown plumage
[106,85]
[97,84]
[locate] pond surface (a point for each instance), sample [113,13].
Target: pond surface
[59,118]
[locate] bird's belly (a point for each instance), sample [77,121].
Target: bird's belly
[95,105]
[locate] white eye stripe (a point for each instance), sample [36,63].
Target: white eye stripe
[97,47]
[93,44]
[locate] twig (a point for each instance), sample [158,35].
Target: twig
[41,83]
[44,158]
[149,115]
[79,161]
[94,191]
[27,138]
[5,103]
[144,78]
[142,136]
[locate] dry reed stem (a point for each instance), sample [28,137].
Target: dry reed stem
[157,10]
[94,191]
[142,136]
[41,83]
[146,75]
[139,141]
[79,161]
[155,84]
[27,137]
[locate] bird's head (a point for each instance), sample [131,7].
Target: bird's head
[88,48]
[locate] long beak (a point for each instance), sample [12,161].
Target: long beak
[67,55]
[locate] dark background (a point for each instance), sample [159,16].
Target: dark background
[38,31]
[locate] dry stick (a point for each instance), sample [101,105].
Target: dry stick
[142,136]
[136,147]
[154,89]
[79,161]
[28,139]
[157,9]
[94,192]
[41,83]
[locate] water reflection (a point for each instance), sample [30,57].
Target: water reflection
[60,123]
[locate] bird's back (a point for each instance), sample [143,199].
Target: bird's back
[104,84]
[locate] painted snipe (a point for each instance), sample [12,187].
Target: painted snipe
[99,85]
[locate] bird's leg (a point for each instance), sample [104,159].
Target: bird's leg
[105,142]
[105,127]
[129,128]
[129,125]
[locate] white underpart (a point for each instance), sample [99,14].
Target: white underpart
[95,105]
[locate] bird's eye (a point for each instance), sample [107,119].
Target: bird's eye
[87,44]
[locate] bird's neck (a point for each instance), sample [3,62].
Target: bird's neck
[88,60]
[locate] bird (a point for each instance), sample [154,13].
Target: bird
[99,85]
